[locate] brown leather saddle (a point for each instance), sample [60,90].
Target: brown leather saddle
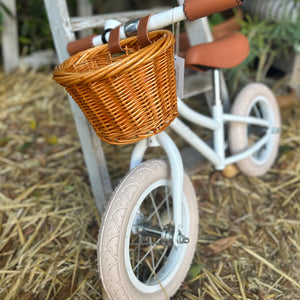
[226,52]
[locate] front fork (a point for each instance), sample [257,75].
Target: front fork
[177,173]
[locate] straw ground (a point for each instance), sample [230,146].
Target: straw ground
[249,228]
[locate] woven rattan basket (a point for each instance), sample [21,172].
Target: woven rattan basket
[126,97]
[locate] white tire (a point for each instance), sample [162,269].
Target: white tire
[255,100]
[124,254]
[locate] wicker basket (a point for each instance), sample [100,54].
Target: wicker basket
[125,97]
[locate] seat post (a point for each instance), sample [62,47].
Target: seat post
[217,87]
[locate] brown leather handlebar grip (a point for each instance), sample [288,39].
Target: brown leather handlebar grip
[81,44]
[195,9]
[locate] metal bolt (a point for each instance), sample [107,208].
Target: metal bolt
[276,130]
[183,239]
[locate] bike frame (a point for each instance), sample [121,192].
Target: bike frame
[215,123]
[215,154]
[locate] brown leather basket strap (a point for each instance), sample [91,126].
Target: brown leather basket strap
[142,32]
[114,41]
[80,45]
[195,9]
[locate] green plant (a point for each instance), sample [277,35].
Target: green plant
[268,40]
[34,31]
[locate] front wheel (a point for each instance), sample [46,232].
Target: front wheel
[255,100]
[136,255]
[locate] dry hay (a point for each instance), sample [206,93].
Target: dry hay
[48,220]
[249,232]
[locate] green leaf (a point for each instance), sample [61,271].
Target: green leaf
[194,271]
[5,9]
[25,146]
[4,141]
[216,19]
[285,149]
[24,40]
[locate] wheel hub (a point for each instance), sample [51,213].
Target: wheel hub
[166,234]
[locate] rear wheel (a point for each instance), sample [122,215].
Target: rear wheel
[136,255]
[258,101]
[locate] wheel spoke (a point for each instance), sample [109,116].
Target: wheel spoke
[139,254]
[168,204]
[158,263]
[152,254]
[148,249]
[156,211]
[146,254]
[257,111]
[260,152]
[165,200]
[257,132]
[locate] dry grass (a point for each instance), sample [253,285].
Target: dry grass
[249,237]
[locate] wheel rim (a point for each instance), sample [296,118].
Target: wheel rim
[260,108]
[152,262]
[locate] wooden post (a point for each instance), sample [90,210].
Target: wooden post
[295,76]
[85,9]
[10,44]
[91,145]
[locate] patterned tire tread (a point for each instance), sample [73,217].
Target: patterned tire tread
[111,260]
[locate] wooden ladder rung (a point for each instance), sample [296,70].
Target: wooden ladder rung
[193,161]
[80,23]
[197,83]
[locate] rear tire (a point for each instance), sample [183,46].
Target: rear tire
[255,100]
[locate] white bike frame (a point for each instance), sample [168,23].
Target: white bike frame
[216,123]
[215,154]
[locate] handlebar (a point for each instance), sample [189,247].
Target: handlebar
[190,10]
